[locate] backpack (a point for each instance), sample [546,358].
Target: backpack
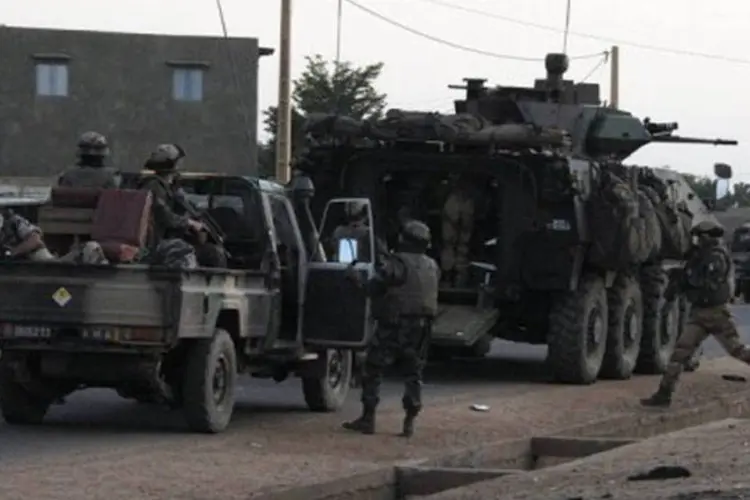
[619,235]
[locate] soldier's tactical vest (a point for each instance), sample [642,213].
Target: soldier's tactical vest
[419,295]
[710,294]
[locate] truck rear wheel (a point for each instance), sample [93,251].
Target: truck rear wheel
[625,326]
[209,383]
[19,405]
[327,392]
[661,323]
[578,332]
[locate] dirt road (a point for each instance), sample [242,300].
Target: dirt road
[100,446]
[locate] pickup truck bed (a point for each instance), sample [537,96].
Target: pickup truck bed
[149,305]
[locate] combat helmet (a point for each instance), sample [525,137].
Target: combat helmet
[708,227]
[416,231]
[93,144]
[165,158]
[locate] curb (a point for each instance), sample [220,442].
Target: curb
[382,484]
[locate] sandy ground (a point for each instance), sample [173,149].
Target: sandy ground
[271,452]
[716,456]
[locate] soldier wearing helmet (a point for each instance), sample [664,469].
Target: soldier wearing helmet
[90,172]
[707,280]
[169,226]
[406,286]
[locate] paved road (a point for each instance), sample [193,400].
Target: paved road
[99,418]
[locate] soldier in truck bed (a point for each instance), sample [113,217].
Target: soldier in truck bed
[405,291]
[166,242]
[707,280]
[91,172]
[20,239]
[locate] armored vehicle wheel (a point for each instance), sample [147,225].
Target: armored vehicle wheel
[661,323]
[625,327]
[209,383]
[578,332]
[19,405]
[327,393]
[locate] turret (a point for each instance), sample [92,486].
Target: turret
[555,103]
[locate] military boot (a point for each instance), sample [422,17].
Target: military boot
[364,424]
[408,428]
[662,398]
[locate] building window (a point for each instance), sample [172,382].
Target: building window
[52,78]
[187,84]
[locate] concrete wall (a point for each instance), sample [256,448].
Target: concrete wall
[122,86]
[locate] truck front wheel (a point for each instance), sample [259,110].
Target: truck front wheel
[327,392]
[209,383]
[19,404]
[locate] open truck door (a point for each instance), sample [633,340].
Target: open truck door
[336,309]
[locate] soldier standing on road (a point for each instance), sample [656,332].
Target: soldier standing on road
[405,286]
[20,239]
[707,280]
[90,171]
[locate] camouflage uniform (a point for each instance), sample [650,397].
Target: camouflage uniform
[91,172]
[406,287]
[165,244]
[707,280]
[15,230]
[458,224]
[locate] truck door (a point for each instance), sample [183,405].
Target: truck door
[336,309]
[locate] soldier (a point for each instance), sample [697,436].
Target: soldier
[91,172]
[21,239]
[707,281]
[406,288]
[458,224]
[165,240]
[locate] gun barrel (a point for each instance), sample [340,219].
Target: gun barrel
[694,140]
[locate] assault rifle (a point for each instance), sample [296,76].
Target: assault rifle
[212,228]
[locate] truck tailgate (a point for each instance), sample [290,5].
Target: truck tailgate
[63,294]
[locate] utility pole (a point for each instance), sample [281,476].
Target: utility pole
[284,107]
[614,78]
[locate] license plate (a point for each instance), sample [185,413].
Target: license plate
[31,331]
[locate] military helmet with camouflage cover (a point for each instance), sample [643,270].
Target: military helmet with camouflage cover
[709,228]
[165,158]
[93,144]
[416,231]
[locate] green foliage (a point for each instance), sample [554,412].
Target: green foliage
[705,188]
[325,87]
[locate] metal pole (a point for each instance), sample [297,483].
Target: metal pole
[339,14]
[284,108]
[614,78]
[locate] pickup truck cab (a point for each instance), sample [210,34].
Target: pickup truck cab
[180,337]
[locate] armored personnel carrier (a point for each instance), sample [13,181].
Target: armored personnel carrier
[543,234]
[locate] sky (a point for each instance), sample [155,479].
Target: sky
[707,96]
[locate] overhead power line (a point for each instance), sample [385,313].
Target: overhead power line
[614,41]
[454,45]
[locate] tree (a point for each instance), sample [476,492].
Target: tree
[325,87]
[704,187]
